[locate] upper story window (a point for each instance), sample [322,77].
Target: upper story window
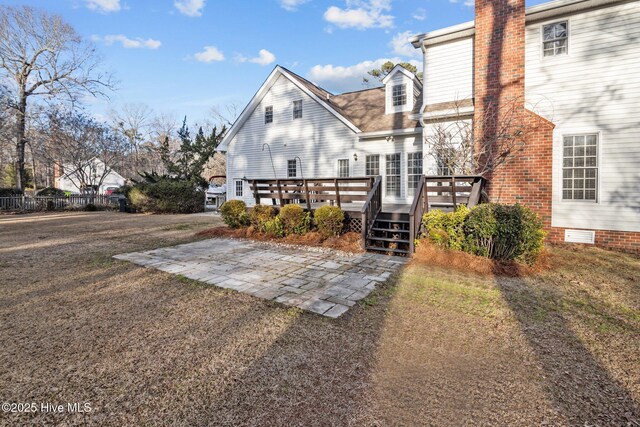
[297,109]
[399,95]
[268,114]
[555,38]
[580,167]
[292,170]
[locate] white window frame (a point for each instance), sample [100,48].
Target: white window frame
[236,188]
[411,190]
[574,133]
[542,40]
[296,110]
[268,114]
[387,175]
[295,168]
[340,170]
[403,87]
[367,161]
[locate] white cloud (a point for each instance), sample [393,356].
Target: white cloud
[190,7]
[104,6]
[291,5]
[126,42]
[401,46]
[468,3]
[264,58]
[342,79]
[361,14]
[209,54]
[420,14]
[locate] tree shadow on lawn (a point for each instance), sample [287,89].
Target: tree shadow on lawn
[580,387]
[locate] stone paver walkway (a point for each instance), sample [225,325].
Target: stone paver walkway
[321,281]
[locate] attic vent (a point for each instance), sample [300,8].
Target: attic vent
[580,236]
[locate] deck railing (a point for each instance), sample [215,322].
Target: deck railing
[371,208]
[444,192]
[311,190]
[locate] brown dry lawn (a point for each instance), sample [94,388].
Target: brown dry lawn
[432,347]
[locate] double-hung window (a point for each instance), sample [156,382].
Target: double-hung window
[555,38]
[343,168]
[414,171]
[399,95]
[580,167]
[239,187]
[372,165]
[292,170]
[268,114]
[393,174]
[297,109]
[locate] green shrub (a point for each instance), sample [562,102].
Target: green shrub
[8,192]
[505,232]
[260,214]
[50,205]
[294,219]
[273,227]
[234,213]
[51,191]
[90,207]
[329,220]
[166,196]
[446,229]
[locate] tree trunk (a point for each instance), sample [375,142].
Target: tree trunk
[21,140]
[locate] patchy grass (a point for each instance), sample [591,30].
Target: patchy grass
[434,345]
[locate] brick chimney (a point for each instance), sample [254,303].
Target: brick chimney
[499,83]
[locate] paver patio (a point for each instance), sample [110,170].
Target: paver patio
[322,281]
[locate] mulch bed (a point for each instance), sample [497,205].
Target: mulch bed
[348,242]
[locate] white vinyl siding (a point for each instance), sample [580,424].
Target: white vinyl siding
[595,88]
[448,68]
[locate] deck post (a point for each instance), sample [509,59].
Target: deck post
[453,192]
[306,192]
[256,195]
[279,192]
[335,182]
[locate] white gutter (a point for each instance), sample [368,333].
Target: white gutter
[394,132]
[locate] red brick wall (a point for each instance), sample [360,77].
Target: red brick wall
[628,241]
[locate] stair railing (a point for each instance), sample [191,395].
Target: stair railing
[371,208]
[419,206]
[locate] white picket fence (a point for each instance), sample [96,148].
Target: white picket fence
[38,203]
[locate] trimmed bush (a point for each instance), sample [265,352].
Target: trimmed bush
[51,192]
[166,196]
[446,230]
[234,213]
[329,220]
[259,215]
[505,232]
[273,227]
[294,219]
[8,192]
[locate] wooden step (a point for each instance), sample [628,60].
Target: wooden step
[394,221]
[388,239]
[395,251]
[390,230]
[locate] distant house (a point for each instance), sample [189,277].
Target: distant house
[93,176]
[573,65]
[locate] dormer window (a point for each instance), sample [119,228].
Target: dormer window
[555,39]
[399,95]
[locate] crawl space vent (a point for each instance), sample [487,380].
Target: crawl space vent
[580,236]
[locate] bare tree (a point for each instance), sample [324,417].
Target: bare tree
[133,121]
[225,115]
[43,56]
[85,151]
[456,151]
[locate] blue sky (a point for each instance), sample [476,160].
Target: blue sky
[185,56]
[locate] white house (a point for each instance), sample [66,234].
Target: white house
[94,173]
[574,63]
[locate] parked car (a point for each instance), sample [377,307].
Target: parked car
[110,190]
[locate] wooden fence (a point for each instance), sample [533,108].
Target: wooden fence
[38,203]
